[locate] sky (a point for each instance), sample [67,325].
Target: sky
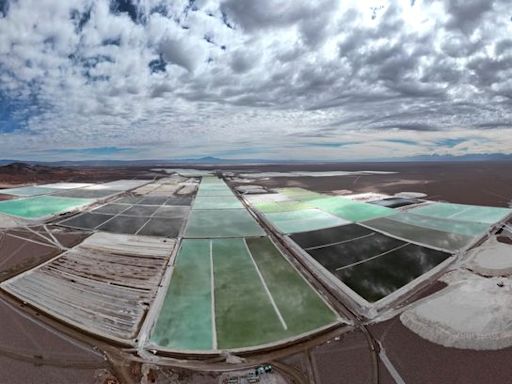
[267,79]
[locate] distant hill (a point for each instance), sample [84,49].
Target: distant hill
[215,160]
[154,163]
[25,173]
[449,158]
[24,169]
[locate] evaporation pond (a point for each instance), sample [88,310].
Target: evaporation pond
[41,206]
[377,278]
[222,223]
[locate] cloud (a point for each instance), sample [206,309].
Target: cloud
[285,78]
[183,52]
[466,14]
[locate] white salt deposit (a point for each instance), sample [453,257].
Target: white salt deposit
[473,312]
[266,198]
[368,196]
[251,189]
[66,185]
[311,174]
[411,195]
[491,259]
[11,222]
[185,172]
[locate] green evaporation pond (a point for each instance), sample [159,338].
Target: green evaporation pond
[211,180]
[252,286]
[245,314]
[463,212]
[41,206]
[349,209]
[185,320]
[281,206]
[216,202]
[466,228]
[303,220]
[300,194]
[222,223]
[214,189]
[301,307]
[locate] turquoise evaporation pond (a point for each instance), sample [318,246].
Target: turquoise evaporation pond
[217,188]
[466,228]
[28,191]
[210,223]
[349,209]
[213,192]
[303,220]
[462,212]
[229,293]
[216,202]
[41,206]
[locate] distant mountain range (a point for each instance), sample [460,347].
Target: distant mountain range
[470,157]
[154,163]
[215,160]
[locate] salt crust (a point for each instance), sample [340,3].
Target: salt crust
[473,312]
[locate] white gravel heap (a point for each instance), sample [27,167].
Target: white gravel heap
[473,312]
[491,259]
[251,189]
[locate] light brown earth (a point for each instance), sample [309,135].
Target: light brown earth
[483,183]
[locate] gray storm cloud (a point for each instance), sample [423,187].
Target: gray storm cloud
[175,78]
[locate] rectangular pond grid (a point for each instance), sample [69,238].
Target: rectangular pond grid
[87,221]
[172,212]
[141,210]
[129,199]
[179,200]
[161,227]
[235,293]
[111,209]
[124,224]
[147,220]
[370,263]
[154,200]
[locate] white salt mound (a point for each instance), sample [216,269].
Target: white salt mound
[473,312]
[491,259]
[411,195]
